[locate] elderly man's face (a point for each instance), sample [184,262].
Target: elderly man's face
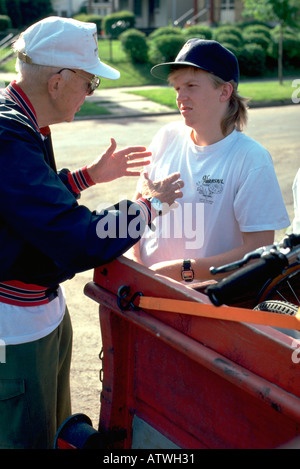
[74,87]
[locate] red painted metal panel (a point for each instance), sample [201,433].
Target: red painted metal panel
[202,383]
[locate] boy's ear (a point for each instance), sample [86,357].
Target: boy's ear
[226,92]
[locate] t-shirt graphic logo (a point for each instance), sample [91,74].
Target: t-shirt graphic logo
[208,188]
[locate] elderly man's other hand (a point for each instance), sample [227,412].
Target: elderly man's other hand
[115,164]
[167,190]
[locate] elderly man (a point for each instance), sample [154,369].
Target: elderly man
[232,201]
[46,236]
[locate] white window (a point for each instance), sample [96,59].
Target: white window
[227,13]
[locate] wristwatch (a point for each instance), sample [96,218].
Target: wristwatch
[187,273]
[156,204]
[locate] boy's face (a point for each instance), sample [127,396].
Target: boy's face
[197,99]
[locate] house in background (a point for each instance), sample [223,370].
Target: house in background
[66,8]
[151,14]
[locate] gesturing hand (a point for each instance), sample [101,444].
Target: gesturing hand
[166,190]
[115,164]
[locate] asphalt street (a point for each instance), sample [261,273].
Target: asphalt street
[78,143]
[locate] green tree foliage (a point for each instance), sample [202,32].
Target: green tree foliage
[25,12]
[3,9]
[5,22]
[284,12]
[34,10]
[15,13]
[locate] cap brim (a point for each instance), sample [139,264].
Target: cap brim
[104,71]
[162,71]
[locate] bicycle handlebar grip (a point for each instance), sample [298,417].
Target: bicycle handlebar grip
[242,283]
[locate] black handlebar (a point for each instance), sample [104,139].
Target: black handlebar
[291,241]
[246,279]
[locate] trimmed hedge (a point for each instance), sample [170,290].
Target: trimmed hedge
[134,44]
[222,31]
[291,47]
[165,48]
[165,30]
[252,60]
[115,24]
[203,32]
[257,38]
[257,29]
[97,19]
[231,39]
[255,45]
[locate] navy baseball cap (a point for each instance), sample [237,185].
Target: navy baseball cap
[207,55]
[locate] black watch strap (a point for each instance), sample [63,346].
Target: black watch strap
[187,273]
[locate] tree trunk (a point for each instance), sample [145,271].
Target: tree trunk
[280,54]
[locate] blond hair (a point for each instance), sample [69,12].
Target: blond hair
[237,112]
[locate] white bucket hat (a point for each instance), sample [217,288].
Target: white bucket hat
[66,43]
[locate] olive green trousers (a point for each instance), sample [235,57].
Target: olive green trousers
[35,390]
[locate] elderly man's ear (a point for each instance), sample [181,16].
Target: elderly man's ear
[54,85]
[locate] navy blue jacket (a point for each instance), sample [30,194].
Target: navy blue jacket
[45,235]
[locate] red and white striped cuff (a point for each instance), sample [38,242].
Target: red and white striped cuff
[80,180]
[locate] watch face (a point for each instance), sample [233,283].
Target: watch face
[187,273]
[156,204]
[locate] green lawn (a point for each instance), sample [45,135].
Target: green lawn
[257,91]
[111,52]
[260,92]
[92,109]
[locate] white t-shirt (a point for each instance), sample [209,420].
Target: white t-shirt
[229,187]
[19,325]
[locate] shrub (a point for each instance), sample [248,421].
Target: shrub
[232,48]
[229,39]
[202,32]
[228,30]
[134,44]
[90,19]
[257,29]
[291,46]
[5,22]
[252,60]
[165,48]
[163,31]
[257,38]
[117,23]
